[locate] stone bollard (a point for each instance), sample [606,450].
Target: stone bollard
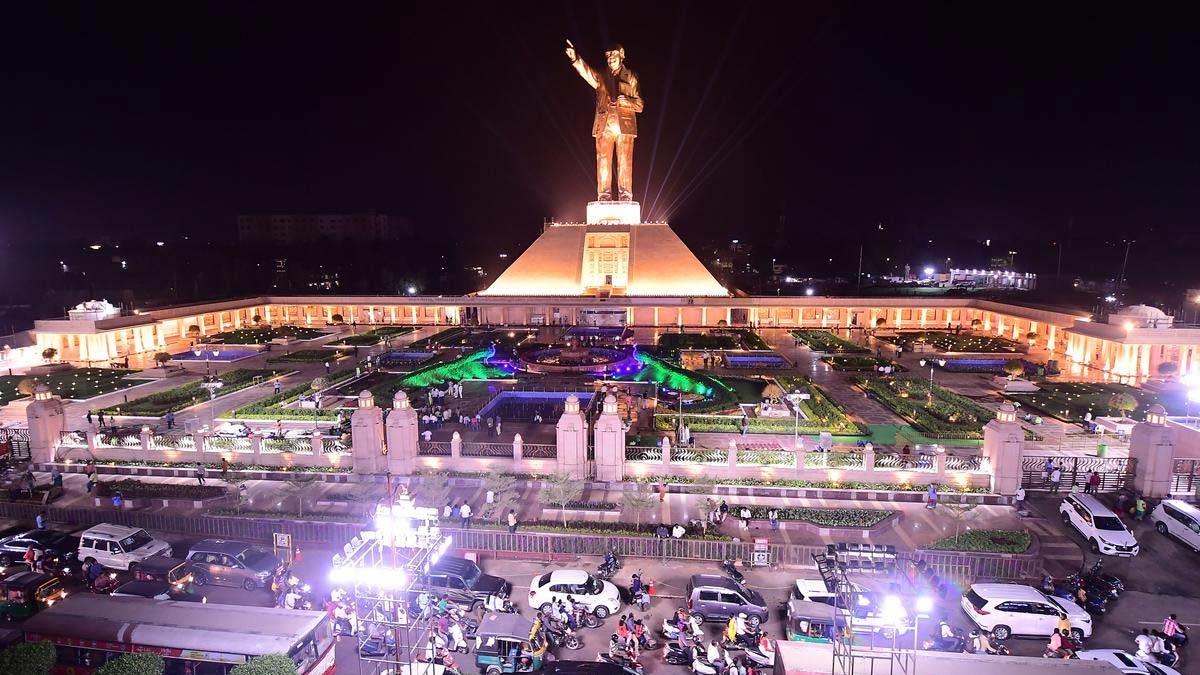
[868,457]
[318,444]
[256,445]
[518,443]
[145,437]
[939,464]
[732,455]
[455,446]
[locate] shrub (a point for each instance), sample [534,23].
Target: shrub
[271,664]
[985,541]
[49,353]
[161,358]
[337,318]
[187,394]
[28,658]
[134,664]
[1167,368]
[863,518]
[134,489]
[1014,368]
[1126,403]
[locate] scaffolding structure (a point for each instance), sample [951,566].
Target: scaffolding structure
[874,658]
[378,570]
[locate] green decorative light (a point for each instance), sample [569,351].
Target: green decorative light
[470,367]
[673,377]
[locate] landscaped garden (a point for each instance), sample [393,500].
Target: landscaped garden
[309,356]
[825,341]
[954,342]
[1072,401]
[985,541]
[472,366]
[131,488]
[860,363]
[996,366]
[670,344]
[374,336]
[264,334]
[449,337]
[76,384]
[274,407]
[185,395]
[858,518]
[944,415]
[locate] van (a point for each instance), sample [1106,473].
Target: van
[118,546]
[712,596]
[232,563]
[1179,519]
[1103,530]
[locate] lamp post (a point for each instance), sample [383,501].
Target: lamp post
[932,362]
[197,350]
[215,353]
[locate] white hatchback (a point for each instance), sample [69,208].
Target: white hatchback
[1014,609]
[600,597]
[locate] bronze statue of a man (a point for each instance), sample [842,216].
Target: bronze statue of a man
[617,104]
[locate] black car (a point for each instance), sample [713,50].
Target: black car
[463,583]
[58,548]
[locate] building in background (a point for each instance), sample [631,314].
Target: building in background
[993,278]
[290,229]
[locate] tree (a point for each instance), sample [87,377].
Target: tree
[1123,402]
[1167,368]
[337,318]
[300,488]
[28,658]
[271,664]
[638,500]
[959,510]
[879,323]
[134,664]
[257,319]
[193,330]
[434,490]
[561,490]
[161,359]
[367,496]
[499,483]
[976,324]
[49,353]
[1014,368]
[318,384]
[26,386]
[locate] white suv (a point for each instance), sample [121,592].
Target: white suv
[1100,526]
[1178,519]
[118,546]
[1013,609]
[600,597]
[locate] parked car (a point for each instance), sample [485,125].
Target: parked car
[1179,519]
[57,548]
[1013,609]
[714,596]
[1104,531]
[118,546]
[1125,662]
[232,563]
[463,583]
[600,597]
[867,606]
[23,594]
[172,571]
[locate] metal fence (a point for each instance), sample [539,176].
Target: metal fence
[487,450]
[228,444]
[433,448]
[699,456]
[901,461]
[784,458]
[72,439]
[539,451]
[18,442]
[1116,473]
[301,446]
[1185,476]
[172,442]
[643,453]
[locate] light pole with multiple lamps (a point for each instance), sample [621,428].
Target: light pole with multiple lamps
[208,354]
[931,363]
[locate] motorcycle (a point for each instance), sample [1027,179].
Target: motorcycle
[585,618]
[562,636]
[671,631]
[630,666]
[1110,586]
[956,644]
[106,583]
[608,567]
[506,607]
[742,641]
[730,569]
[1069,588]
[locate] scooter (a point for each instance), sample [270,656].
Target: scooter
[630,666]
[1097,572]
[955,644]
[742,641]
[676,655]
[766,659]
[730,569]
[646,642]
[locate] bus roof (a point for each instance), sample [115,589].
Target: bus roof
[251,631]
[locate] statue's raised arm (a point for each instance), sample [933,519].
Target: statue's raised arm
[618,100]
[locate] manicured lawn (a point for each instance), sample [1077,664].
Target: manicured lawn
[954,342]
[272,407]
[861,518]
[859,363]
[670,344]
[374,336]
[450,337]
[985,541]
[185,395]
[77,384]
[825,341]
[1072,401]
[259,336]
[309,356]
[948,415]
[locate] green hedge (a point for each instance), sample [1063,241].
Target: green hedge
[859,363]
[864,518]
[949,415]
[825,341]
[28,658]
[670,344]
[134,664]
[131,488]
[271,407]
[985,541]
[372,337]
[217,465]
[309,356]
[185,395]
[815,484]
[441,338]
[270,664]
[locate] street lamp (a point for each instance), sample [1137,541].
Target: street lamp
[197,350]
[215,353]
[932,362]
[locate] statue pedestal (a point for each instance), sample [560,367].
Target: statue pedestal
[614,213]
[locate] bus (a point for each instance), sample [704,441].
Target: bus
[194,638]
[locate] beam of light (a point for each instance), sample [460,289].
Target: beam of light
[676,41]
[748,124]
[696,111]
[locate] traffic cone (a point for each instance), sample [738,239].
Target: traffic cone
[298,556]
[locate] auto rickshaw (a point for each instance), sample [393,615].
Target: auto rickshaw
[23,594]
[809,621]
[173,571]
[509,643]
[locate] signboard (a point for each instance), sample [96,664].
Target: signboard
[283,545]
[761,555]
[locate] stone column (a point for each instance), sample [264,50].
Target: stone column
[455,446]
[402,436]
[145,437]
[571,439]
[868,457]
[666,451]
[1004,447]
[939,464]
[1152,446]
[256,446]
[367,435]
[47,420]
[318,444]
[731,455]
[518,443]
[610,443]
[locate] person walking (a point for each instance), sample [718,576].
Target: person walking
[170,419]
[90,471]
[200,473]
[1093,483]
[89,417]
[278,387]
[1055,479]
[464,513]
[931,497]
[745,516]
[41,520]
[745,425]
[723,510]
[56,478]
[224,468]
[1139,508]
[1019,498]
[100,418]
[773,518]
[326,366]
[497,426]
[512,521]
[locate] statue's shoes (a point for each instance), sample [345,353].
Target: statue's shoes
[604,197]
[626,196]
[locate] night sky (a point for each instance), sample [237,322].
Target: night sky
[939,121]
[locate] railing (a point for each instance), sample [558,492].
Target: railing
[699,456]
[172,442]
[833,460]
[487,450]
[902,462]
[72,439]
[766,458]
[433,448]
[108,440]
[972,463]
[227,444]
[539,451]
[1115,472]
[17,441]
[643,453]
[1185,476]
[302,446]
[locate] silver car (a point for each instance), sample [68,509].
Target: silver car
[232,563]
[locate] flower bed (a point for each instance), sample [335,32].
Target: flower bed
[955,342]
[985,541]
[947,414]
[860,363]
[815,484]
[217,465]
[76,383]
[825,341]
[136,489]
[593,506]
[373,337]
[272,407]
[995,366]
[670,344]
[260,336]
[183,396]
[860,518]
[309,356]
